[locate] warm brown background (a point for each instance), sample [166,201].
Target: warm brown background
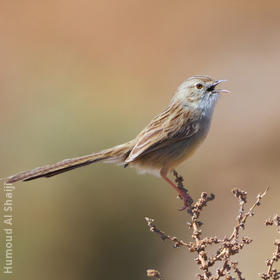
[80,76]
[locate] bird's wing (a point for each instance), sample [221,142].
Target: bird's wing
[171,126]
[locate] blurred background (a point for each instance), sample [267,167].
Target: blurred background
[80,76]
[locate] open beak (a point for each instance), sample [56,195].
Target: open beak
[213,90]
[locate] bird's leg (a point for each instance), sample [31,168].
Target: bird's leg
[179,189]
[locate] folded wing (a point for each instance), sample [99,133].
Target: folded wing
[173,125]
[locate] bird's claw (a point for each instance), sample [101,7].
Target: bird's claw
[187,203]
[183,207]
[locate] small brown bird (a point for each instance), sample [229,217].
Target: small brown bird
[165,142]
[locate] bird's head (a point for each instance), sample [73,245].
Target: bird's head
[199,91]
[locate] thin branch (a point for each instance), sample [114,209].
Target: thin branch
[177,243]
[241,218]
[154,274]
[271,272]
[228,247]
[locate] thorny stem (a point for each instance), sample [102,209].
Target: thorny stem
[221,272]
[202,256]
[177,243]
[274,258]
[236,270]
[241,195]
[271,272]
[228,246]
[179,180]
[154,274]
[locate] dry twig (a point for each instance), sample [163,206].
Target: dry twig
[228,247]
[271,272]
[153,274]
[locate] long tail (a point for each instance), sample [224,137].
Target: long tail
[116,154]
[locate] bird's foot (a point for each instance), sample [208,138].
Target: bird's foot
[188,201]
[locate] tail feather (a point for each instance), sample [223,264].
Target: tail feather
[62,169]
[54,169]
[114,155]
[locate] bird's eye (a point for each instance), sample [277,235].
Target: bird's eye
[199,86]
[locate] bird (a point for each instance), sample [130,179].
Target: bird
[168,140]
